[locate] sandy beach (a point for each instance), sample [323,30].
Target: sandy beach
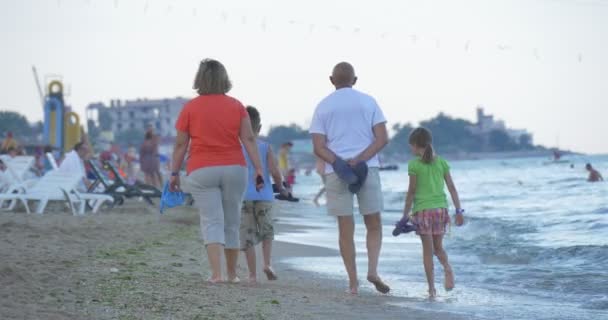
[131,263]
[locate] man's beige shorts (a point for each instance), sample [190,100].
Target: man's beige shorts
[340,200]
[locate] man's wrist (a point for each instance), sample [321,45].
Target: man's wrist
[175,173]
[459,211]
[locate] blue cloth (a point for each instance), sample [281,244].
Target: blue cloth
[170,199]
[344,171]
[360,171]
[266,193]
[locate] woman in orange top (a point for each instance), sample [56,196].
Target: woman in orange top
[214,125]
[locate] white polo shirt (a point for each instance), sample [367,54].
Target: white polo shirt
[346,117]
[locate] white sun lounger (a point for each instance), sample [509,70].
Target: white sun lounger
[57,186]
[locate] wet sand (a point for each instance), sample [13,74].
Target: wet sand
[131,263]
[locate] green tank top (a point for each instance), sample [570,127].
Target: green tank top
[429,183]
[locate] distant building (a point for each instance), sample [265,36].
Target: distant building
[486,124]
[138,114]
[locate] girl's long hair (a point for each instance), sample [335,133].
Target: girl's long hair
[422,138]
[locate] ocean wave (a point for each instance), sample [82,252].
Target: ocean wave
[597,304]
[601,211]
[564,180]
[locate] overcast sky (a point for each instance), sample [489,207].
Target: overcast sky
[537,64]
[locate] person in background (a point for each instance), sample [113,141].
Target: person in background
[427,173]
[5,177]
[594,175]
[8,143]
[46,163]
[291,178]
[214,125]
[129,159]
[320,168]
[256,216]
[12,152]
[74,163]
[284,158]
[149,160]
[38,167]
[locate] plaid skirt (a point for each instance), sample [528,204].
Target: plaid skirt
[431,221]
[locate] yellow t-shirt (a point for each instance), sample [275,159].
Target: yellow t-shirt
[283,160]
[9,143]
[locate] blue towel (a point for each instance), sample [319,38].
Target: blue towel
[360,171]
[344,171]
[170,199]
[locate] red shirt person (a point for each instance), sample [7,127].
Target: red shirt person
[214,125]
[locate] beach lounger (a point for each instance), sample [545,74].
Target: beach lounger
[79,201]
[139,189]
[57,186]
[16,179]
[119,188]
[19,167]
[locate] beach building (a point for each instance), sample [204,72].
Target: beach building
[138,114]
[486,124]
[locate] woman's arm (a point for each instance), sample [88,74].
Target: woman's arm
[179,150]
[179,153]
[248,140]
[274,170]
[409,199]
[454,193]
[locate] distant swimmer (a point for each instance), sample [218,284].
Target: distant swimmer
[594,175]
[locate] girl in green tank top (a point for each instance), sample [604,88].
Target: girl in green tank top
[426,199]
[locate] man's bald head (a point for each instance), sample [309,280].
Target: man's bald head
[343,75]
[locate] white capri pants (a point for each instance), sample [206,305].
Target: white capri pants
[218,193]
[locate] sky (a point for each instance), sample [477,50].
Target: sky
[539,65]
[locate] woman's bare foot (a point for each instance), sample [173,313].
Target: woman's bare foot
[270,274]
[449,278]
[215,280]
[380,286]
[432,293]
[234,280]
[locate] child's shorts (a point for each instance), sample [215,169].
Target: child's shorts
[431,221]
[256,223]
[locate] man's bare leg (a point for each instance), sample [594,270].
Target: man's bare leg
[373,223]
[346,226]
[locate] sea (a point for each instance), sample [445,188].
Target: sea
[534,246]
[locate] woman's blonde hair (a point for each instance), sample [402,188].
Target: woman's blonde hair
[212,78]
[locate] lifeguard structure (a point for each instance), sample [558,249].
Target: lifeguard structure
[61,126]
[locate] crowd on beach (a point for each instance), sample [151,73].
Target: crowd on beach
[132,165]
[234,176]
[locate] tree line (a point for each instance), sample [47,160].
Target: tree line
[450,135]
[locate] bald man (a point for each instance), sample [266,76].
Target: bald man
[349,124]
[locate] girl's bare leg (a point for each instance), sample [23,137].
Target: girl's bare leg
[443,259]
[427,258]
